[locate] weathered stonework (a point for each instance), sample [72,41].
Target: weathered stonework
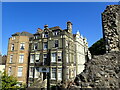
[111,27]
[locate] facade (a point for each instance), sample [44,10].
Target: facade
[58,51]
[17,56]
[50,55]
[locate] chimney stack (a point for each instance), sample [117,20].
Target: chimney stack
[69,27]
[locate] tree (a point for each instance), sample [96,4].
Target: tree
[8,82]
[98,48]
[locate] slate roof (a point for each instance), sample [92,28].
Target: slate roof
[23,34]
[55,28]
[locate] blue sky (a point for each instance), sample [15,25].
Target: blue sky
[28,16]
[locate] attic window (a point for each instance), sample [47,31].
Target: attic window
[55,33]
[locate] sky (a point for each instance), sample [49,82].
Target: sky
[28,16]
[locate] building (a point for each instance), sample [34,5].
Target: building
[17,56]
[58,52]
[51,55]
[2,62]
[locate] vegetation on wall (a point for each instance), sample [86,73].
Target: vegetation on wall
[98,48]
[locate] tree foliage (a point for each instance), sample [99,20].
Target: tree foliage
[98,48]
[8,82]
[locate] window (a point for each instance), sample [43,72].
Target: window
[12,47]
[20,71]
[66,43]
[59,73]
[37,72]
[22,46]
[36,37]
[32,58]
[11,58]
[53,57]
[9,71]
[53,73]
[35,46]
[67,58]
[59,57]
[56,43]
[21,58]
[46,35]
[37,58]
[55,33]
[44,59]
[45,46]
[13,38]
[31,72]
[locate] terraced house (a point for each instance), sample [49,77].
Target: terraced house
[51,55]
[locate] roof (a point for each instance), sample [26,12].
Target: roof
[55,28]
[23,34]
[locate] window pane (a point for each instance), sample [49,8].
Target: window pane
[22,46]
[11,58]
[45,46]
[12,47]
[59,56]
[21,58]
[53,76]
[20,71]
[53,57]
[32,59]
[60,73]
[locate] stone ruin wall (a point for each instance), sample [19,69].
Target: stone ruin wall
[111,27]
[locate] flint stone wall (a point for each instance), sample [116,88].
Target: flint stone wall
[111,27]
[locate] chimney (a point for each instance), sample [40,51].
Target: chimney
[69,27]
[45,26]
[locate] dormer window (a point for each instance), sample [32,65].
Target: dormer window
[46,35]
[55,33]
[36,37]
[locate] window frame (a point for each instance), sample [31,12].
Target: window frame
[53,57]
[11,58]
[55,70]
[21,58]
[22,46]
[20,74]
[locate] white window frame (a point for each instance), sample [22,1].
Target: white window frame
[35,45]
[12,47]
[53,57]
[32,57]
[13,38]
[55,33]
[56,42]
[31,69]
[9,70]
[59,56]
[22,45]
[44,45]
[54,73]
[11,58]
[44,58]
[21,58]
[59,74]
[67,60]
[37,58]
[20,71]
